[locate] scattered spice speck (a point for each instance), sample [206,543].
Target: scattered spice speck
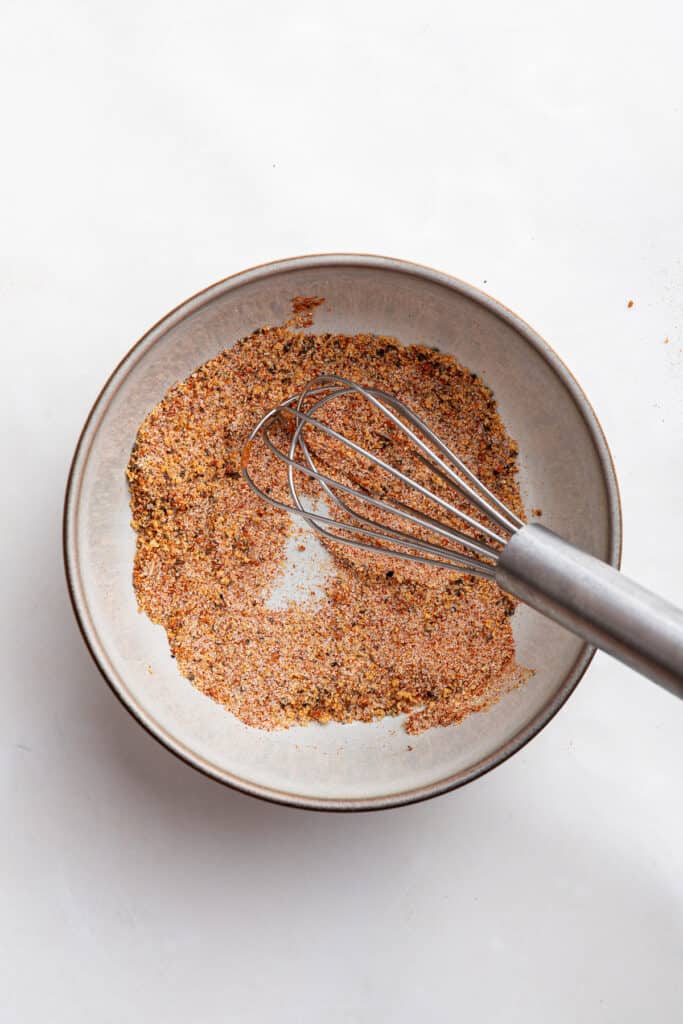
[303,310]
[630,304]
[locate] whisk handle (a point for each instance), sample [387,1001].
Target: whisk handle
[596,602]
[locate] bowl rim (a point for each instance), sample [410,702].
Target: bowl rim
[89,432]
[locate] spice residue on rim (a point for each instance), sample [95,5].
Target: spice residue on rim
[381,637]
[303,310]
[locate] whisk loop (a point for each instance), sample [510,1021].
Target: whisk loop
[477,554]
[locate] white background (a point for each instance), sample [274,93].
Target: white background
[534,149]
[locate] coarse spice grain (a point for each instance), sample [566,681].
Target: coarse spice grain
[386,637]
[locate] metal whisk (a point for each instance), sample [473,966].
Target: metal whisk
[528,561]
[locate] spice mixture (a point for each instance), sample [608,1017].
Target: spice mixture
[385,637]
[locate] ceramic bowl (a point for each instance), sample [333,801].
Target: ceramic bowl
[565,469]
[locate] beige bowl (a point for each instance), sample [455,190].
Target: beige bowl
[566,470]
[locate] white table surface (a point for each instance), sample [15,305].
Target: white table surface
[148,149]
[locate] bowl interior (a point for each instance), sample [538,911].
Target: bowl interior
[565,471]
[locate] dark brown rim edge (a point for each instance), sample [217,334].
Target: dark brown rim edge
[79,460]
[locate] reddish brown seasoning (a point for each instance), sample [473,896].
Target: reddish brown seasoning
[303,310]
[387,637]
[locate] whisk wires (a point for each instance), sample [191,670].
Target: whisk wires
[440,541]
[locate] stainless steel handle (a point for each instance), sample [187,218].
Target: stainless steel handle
[596,602]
